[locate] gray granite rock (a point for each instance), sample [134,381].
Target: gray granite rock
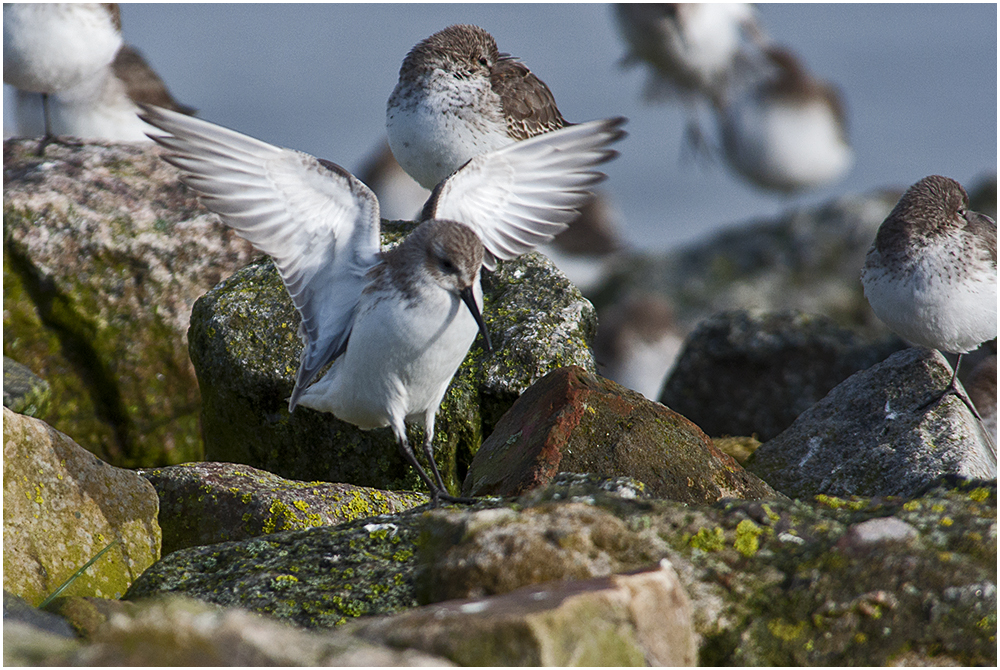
[245,349]
[871,437]
[104,253]
[16,608]
[753,373]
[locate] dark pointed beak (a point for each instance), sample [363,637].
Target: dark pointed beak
[470,301]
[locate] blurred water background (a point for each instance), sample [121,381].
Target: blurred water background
[920,83]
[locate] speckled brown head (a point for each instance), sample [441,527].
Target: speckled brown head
[467,51]
[933,206]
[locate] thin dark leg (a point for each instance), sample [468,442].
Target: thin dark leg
[438,492]
[429,452]
[47,138]
[411,458]
[952,389]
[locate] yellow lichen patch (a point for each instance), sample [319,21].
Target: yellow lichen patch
[979,494]
[783,630]
[708,540]
[746,541]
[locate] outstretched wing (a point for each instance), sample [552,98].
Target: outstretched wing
[521,196]
[318,223]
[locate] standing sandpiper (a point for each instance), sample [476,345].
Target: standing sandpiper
[458,97]
[931,273]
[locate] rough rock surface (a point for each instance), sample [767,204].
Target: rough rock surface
[780,582]
[573,421]
[317,578]
[16,608]
[206,503]
[642,618]
[24,392]
[104,255]
[771,583]
[179,631]
[61,506]
[245,348]
[871,437]
[981,385]
[744,373]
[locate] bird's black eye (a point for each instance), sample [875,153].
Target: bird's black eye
[484,61]
[447,266]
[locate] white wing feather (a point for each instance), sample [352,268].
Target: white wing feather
[318,223]
[523,195]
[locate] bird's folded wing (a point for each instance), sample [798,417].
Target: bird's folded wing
[318,223]
[521,196]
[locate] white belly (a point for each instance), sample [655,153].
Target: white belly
[926,309]
[399,360]
[435,134]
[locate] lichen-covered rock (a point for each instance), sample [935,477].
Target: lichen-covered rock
[642,618]
[177,631]
[315,578]
[62,505]
[24,392]
[781,582]
[206,503]
[743,373]
[245,348]
[771,583]
[871,436]
[104,254]
[573,421]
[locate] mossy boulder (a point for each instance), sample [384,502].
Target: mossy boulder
[104,254]
[206,503]
[245,349]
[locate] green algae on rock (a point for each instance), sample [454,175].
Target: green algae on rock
[206,503]
[62,505]
[317,578]
[778,582]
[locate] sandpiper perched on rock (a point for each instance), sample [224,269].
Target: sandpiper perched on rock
[788,132]
[458,97]
[931,273]
[48,48]
[393,323]
[89,81]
